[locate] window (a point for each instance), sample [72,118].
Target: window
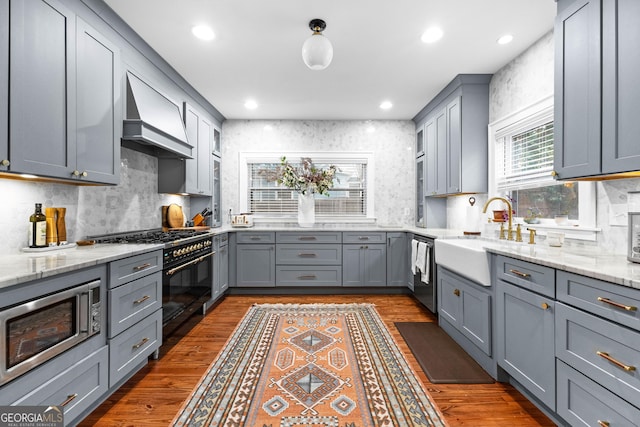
[522,161]
[350,197]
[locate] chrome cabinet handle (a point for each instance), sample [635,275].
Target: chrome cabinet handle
[255,237]
[69,398]
[141,300]
[142,267]
[141,343]
[617,304]
[307,255]
[363,238]
[307,277]
[307,238]
[606,356]
[520,273]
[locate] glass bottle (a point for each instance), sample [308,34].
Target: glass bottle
[38,229]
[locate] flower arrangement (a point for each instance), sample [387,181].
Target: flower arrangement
[304,178]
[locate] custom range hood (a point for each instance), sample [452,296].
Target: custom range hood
[153,123]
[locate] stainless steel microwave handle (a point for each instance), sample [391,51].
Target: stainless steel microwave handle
[84,315]
[188,264]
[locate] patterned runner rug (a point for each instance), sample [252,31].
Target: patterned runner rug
[310,365]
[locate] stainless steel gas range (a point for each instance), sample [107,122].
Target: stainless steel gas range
[187,269]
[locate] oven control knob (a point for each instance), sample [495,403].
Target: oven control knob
[176,252]
[191,248]
[180,251]
[199,246]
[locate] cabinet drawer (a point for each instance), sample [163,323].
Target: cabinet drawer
[133,346]
[582,402]
[364,237]
[128,269]
[608,300]
[86,380]
[257,237]
[530,276]
[604,351]
[221,239]
[309,254]
[308,237]
[132,302]
[315,276]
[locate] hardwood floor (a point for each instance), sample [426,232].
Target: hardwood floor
[155,394]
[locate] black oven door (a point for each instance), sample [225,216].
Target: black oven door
[185,289]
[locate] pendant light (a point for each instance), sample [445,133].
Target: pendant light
[317,51]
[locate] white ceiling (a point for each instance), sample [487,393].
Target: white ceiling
[378,54]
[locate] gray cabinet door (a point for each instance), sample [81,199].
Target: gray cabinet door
[620,91]
[436,145]
[397,259]
[364,265]
[204,157]
[4,85]
[216,216]
[42,97]
[99,115]
[256,265]
[454,146]
[223,268]
[525,329]
[577,124]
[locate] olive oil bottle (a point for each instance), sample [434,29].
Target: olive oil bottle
[38,229]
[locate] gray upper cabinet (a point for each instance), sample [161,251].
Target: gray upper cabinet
[42,93]
[596,95]
[4,85]
[419,141]
[420,182]
[99,111]
[216,142]
[190,176]
[64,95]
[455,134]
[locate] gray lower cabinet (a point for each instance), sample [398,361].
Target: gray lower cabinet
[525,339]
[596,93]
[305,258]
[364,265]
[220,266]
[255,259]
[597,331]
[135,313]
[397,259]
[64,95]
[76,388]
[466,307]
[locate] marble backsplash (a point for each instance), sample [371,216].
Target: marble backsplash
[391,143]
[134,204]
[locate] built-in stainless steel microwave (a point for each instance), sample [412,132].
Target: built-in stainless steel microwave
[34,331]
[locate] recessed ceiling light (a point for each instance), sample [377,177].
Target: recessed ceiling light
[386,105]
[432,34]
[250,104]
[203,32]
[506,39]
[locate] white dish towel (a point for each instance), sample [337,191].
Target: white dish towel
[414,255]
[422,261]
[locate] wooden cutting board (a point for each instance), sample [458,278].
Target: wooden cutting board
[175,218]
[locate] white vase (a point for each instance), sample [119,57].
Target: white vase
[306,210]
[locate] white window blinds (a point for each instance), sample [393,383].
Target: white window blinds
[347,198]
[525,159]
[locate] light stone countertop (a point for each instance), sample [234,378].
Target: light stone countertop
[21,267]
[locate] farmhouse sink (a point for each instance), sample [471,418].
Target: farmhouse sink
[466,257]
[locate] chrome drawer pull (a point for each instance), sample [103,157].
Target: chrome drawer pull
[363,238]
[141,300]
[69,398]
[456,292]
[520,273]
[603,423]
[619,364]
[255,237]
[308,277]
[307,255]
[307,238]
[142,267]
[617,304]
[141,343]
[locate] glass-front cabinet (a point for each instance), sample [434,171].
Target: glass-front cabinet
[420,181]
